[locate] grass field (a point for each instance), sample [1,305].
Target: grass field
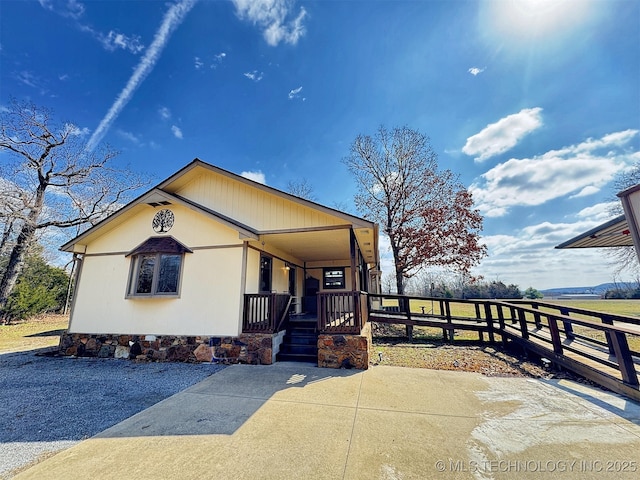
[629,308]
[37,332]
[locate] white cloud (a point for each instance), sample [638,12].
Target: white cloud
[273,17]
[131,137]
[172,19]
[255,75]
[28,79]
[586,191]
[218,59]
[77,131]
[534,181]
[503,135]
[114,40]
[475,71]
[67,8]
[598,213]
[164,113]
[176,131]
[198,63]
[110,41]
[528,257]
[255,176]
[295,93]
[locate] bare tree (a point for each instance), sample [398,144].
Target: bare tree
[427,213]
[49,179]
[301,188]
[624,259]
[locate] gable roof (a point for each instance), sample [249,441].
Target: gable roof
[614,233]
[165,193]
[186,174]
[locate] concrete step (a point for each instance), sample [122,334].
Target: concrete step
[296,357]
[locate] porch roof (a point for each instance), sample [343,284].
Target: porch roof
[324,244]
[614,233]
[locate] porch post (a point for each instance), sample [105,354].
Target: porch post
[352,245]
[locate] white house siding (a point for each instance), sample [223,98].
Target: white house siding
[250,206]
[210,291]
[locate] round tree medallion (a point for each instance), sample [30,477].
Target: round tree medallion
[163,221]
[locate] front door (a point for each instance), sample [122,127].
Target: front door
[265,274]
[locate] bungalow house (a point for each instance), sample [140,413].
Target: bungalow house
[211,265]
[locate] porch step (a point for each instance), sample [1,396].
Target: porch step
[300,343]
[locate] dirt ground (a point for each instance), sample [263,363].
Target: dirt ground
[426,349]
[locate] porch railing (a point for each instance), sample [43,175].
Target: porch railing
[265,312]
[342,312]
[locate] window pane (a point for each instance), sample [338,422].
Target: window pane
[169,274]
[146,265]
[334,278]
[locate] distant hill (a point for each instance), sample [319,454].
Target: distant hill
[597,290]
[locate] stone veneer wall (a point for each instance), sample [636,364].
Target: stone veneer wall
[345,351]
[252,348]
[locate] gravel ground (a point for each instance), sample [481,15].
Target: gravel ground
[48,404]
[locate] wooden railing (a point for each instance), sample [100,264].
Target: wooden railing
[592,344]
[342,312]
[265,312]
[434,312]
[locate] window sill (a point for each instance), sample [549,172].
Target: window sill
[155,297]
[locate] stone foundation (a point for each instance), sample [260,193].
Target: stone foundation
[345,351]
[251,348]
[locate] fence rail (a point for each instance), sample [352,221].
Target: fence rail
[592,344]
[265,312]
[342,312]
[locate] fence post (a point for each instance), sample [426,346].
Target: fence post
[608,334]
[487,313]
[523,324]
[623,356]
[501,323]
[555,334]
[536,316]
[568,326]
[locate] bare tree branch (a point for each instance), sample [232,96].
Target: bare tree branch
[51,180]
[426,213]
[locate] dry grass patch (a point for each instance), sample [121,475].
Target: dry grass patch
[37,332]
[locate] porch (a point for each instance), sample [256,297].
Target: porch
[337,313]
[336,335]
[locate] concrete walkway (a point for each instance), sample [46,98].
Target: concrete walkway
[296,421]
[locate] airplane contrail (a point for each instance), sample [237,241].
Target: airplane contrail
[172,19]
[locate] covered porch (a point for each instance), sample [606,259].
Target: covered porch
[331,270]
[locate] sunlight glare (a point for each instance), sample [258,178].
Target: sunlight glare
[538,18]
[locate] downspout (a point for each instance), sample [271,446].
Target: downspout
[243,282]
[78,261]
[65,310]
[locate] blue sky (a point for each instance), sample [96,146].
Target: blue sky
[534,103]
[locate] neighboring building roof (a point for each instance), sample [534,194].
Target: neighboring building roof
[614,233]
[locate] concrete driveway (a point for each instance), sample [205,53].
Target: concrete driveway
[296,421]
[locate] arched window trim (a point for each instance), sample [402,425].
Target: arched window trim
[156,268]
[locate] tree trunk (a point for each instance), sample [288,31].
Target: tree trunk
[16,262]
[8,230]
[20,249]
